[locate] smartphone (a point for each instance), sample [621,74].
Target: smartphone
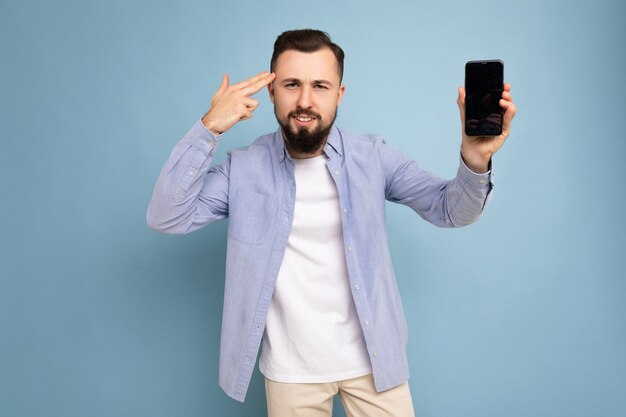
[484,83]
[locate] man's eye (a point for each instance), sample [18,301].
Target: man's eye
[291,85]
[321,87]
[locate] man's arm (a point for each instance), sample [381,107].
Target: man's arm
[184,198]
[444,203]
[457,202]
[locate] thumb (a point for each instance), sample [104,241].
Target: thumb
[461,103]
[220,90]
[222,87]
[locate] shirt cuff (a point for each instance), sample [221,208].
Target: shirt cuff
[201,138]
[474,179]
[206,133]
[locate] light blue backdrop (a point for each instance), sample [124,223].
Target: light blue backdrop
[522,314]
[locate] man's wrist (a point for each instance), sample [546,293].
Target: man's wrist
[211,126]
[476,163]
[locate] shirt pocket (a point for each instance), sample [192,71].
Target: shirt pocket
[250,217]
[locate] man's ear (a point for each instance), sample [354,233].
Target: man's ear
[270,90]
[342,89]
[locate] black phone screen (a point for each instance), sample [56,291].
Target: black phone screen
[484,82]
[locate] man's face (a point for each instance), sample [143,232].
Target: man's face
[306,93]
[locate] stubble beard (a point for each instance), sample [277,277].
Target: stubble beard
[302,139]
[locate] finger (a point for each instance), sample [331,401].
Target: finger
[224,84]
[460,101]
[509,113]
[507,96]
[250,81]
[251,103]
[507,105]
[507,87]
[221,88]
[246,115]
[461,98]
[258,85]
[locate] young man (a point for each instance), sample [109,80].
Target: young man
[308,270]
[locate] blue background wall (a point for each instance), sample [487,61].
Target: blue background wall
[521,314]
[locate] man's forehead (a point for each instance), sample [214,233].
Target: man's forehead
[320,64]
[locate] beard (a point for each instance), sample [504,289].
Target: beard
[303,139]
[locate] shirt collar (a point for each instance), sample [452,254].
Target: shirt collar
[333,144]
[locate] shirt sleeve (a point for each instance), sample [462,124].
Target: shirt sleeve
[189,194]
[444,203]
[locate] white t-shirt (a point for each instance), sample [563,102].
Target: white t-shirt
[313,332]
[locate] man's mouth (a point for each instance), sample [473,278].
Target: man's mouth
[303,119]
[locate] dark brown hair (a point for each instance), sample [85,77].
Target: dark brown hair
[306,40]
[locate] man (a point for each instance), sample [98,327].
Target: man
[308,271]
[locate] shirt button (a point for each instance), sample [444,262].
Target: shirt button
[345,210]
[366,322]
[349,248]
[336,172]
[375,354]
[482,181]
[192,172]
[356,287]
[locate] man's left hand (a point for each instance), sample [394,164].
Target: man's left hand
[478,150]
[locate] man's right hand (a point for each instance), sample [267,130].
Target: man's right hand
[232,103]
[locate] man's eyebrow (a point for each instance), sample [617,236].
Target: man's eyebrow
[296,80]
[322,82]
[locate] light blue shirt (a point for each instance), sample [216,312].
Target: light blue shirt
[255,188]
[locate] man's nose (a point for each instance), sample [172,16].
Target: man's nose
[304,99]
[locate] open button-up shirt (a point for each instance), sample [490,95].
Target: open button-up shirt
[255,189]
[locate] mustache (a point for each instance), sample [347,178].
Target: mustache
[304,112]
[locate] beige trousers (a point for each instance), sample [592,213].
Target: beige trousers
[358,396]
